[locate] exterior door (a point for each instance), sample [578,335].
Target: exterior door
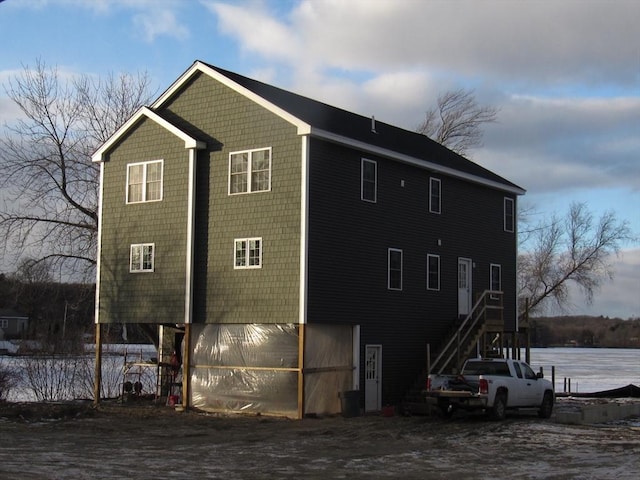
[464,286]
[373,378]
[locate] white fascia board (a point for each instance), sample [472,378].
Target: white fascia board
[189,141]
[303,128]
[418,162]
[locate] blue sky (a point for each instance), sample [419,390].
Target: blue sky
[565,75]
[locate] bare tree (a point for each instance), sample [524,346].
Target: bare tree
[49,184]
[576,249]
[456,121]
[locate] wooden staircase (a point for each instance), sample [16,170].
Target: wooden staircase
[474,336]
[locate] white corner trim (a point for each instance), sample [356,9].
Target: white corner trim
[189,141]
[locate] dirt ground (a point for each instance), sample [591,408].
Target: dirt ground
[144,441]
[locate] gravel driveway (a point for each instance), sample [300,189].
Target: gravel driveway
[144,442]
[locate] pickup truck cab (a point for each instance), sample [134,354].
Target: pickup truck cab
[493,385]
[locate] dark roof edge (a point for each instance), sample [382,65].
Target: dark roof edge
[232,79]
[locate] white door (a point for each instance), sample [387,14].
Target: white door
[464,286]
[372,378]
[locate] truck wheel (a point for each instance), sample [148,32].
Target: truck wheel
[499,409]
[546,407]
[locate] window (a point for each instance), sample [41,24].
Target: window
[433,272]
[434,195]
[4,323]
[394,281]
[509,214]
[144,181]
[496,279]
[250,171]
[248,253]
[516,366]
[369,181]
[142,258]
[528,373]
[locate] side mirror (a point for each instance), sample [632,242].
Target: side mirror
[539,375]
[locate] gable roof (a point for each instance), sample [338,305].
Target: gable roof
[145,112]
[341,126]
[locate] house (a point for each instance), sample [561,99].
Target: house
[295,250]
[13,325]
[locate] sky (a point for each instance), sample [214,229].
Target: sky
[565,76]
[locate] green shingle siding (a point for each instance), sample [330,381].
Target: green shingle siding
[144,297]
[234,123]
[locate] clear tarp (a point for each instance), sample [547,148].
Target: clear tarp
[248,368]
[254,368]
[328,367]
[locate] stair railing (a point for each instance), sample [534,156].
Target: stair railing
[462,333]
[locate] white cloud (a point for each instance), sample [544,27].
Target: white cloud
[619,297]
[258,32]
[158,22]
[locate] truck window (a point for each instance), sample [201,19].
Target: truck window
[518,371]
[486,368]
[528,373]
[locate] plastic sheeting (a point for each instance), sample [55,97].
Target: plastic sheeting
[254,368]
[250,368]
[328,367]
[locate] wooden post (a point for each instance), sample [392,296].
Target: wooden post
[186,366]
[301,339]
[428,373]
[97,377]
[458,352]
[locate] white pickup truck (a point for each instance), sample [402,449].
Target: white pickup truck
[493,385]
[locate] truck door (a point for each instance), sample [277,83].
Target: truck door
[530,393]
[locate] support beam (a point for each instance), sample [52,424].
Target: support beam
[186,363]
[97,379]
[301,332]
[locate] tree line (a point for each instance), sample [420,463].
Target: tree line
[585,331]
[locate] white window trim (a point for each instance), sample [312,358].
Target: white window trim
[375,181]
[389,287]
[431,206]
[491,267]
[249,171]
[153,258]
[429,256]
[512,203]
[246,266]
[144,181]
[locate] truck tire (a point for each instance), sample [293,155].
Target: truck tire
[546,407]
[499,409]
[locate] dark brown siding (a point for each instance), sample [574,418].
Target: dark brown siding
[348,243]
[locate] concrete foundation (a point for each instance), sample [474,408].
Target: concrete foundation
[600,413]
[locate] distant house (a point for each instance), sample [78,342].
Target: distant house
[298,250]
[13,325]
